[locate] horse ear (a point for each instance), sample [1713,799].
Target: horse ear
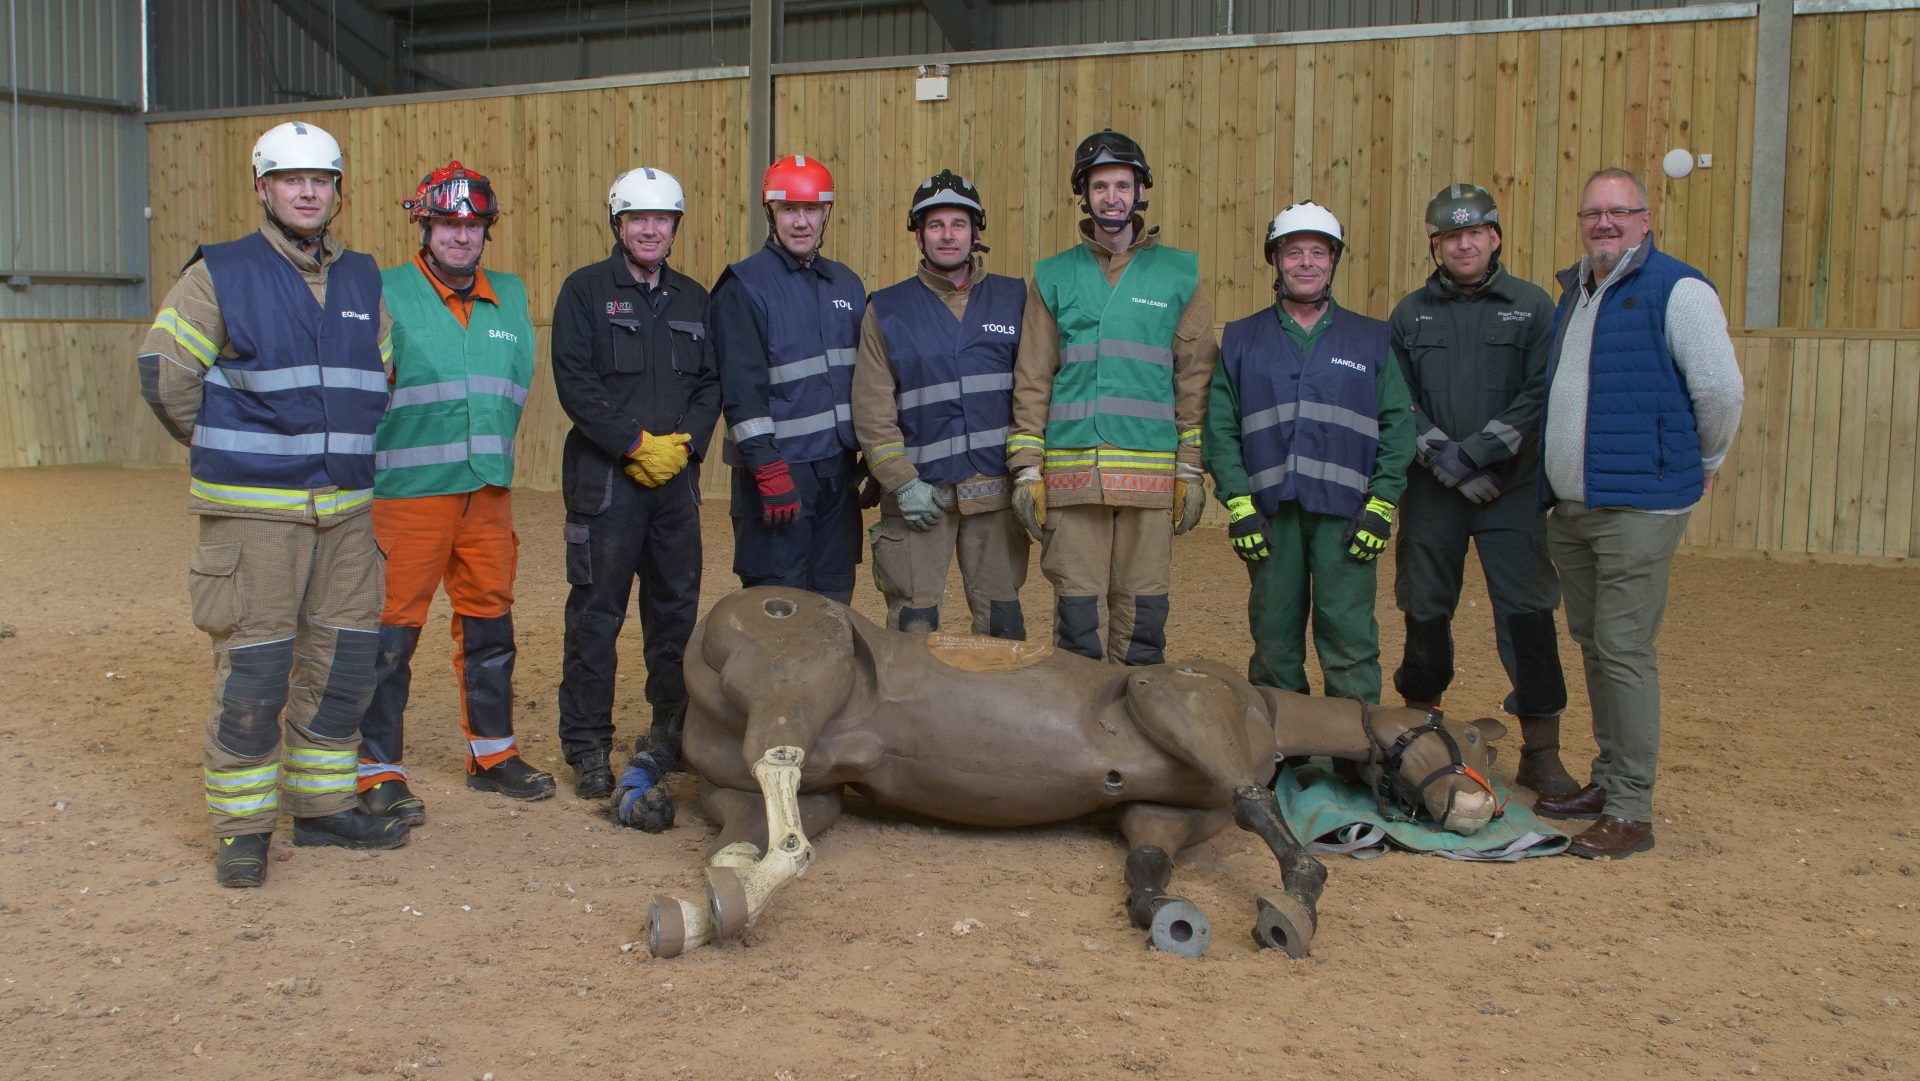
[1489,729]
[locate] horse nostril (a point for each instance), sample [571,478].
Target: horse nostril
[1114,782]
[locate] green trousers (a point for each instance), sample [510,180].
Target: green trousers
[1309,573]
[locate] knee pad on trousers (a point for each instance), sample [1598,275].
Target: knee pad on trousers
[1076,626]
[1148,645]
[1006,620]
[486,643]
[920,620]
[349,684]
[1539,685]
[253,696]
[1426,667]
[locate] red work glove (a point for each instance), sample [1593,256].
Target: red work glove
[779,503]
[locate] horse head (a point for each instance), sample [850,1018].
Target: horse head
[1422,761]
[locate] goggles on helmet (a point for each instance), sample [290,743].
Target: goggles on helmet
[453,192]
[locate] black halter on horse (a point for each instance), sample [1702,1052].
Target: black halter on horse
[1400,800]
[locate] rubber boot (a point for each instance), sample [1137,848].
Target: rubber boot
[591,777]
[393,799]
[512,778]
[1540,767]
[351,828]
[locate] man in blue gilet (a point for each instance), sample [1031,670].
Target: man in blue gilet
[1109,391]
[269,359]
[932,396]
[1308,439]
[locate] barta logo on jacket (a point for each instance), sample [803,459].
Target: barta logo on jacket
[619,307]
[362,316]
[508,335]
[1150,303]
[1354,364]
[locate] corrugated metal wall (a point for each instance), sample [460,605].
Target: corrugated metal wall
[221,54]
[74,181]
[215,54]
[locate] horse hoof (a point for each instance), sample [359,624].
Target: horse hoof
[1179,927]
[1283,924]
[727,902]
[666,931]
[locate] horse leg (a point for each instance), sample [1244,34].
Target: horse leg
[1287,921]
[1153,832]
[1195,716]
[675,926]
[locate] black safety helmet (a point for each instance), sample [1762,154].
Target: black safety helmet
[1461,206]
[1108,147]
[946,188]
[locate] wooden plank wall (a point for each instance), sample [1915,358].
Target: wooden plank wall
[1827,463]
[1853,173]
[1369,128]
[551,158]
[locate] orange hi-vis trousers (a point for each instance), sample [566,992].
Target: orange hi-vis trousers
[467,544]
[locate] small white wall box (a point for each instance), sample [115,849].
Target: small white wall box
[931,85]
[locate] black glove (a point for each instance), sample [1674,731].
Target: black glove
[1451,465]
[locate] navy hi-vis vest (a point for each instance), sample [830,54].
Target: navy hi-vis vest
[1643,443]
[1309,425]
[954,376]
[813,334]
[296,408]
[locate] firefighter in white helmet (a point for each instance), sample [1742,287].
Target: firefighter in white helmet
[633,365]
[1308,440]
[270,358]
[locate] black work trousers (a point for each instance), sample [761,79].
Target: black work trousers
[1431,530]
[649,534]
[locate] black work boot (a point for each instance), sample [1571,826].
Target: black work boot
[351,828]
[591,777]
[513,778]
[241,862]
[1540,767]
[393,799]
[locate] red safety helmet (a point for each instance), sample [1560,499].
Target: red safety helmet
[796,179]
[453,191]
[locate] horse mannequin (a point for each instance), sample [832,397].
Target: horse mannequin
[795,696]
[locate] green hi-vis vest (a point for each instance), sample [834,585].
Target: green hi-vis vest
[457,391]
[1115,383]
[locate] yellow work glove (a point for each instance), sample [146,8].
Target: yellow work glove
[1189,497]
[1371,527]
[1030,500]
[1247,529]
[658,459]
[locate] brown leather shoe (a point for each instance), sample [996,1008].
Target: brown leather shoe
[1615,838]
[1586,803]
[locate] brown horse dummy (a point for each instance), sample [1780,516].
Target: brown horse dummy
[795,697]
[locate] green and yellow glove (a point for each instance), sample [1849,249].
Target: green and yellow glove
[1371,528]
[1247,529]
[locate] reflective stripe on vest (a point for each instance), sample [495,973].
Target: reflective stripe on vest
[1115,382]
[294,410]
[1309,425]
[458,391]
[813,332]
[954,377]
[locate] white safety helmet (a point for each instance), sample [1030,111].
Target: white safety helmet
[645,189]
[295,145]
[1305,217]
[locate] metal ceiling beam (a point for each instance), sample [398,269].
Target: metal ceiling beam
[968,24]
[358,35]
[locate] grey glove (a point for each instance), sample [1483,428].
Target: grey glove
[1030,501]
[1189,497]
[1451,465]
[919,504]
[1481,486]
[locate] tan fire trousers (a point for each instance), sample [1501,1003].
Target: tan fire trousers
[293,611]
[1109,567]
[910,569]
